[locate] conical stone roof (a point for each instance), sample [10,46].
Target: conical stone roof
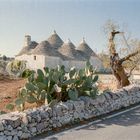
[44,48]
[28,49]
[68,49]
[85,50]
[55,40]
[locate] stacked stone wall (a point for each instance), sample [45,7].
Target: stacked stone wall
[22,125]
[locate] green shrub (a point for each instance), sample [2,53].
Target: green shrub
[16,67]
[27,72]
[2,112]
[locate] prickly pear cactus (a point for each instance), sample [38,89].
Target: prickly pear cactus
[44,87]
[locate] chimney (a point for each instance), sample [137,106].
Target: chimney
[27,40]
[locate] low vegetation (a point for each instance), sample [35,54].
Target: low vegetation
[15,68]
[54,85]
[3,65]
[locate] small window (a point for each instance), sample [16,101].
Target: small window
[34,57]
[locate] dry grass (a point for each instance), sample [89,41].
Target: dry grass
[107,81]
[105,86]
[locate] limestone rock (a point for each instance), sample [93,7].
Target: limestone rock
[7,133]
[2,137]
[19,133]
[40,126]
[15,138]
[33,129]
[1,133]
[101,99]
[9,127]
[1,126]
[13,132]
[25,136]
[9,138]
[25,119]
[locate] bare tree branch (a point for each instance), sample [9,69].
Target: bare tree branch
[130,73]
[128,56]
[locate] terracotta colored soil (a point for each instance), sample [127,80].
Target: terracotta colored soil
[8,91]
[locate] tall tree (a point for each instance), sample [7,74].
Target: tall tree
[116,62]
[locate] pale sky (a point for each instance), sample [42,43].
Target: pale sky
[70,18]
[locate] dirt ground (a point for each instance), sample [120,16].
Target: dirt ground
[8,91]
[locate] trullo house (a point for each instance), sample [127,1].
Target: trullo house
[54,51]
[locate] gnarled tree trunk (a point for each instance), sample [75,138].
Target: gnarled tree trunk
[116,63]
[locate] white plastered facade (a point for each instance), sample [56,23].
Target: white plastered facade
[35,62]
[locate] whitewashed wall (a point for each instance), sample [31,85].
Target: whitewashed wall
[52,62]
[77,64]
[66,64]
[39,63]
[96,62]
[74,63]
[25,58]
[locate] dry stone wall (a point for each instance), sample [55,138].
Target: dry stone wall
[22,125]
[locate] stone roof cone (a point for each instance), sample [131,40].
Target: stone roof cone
[68,49]
[85,49]
[55,40]
[44,48]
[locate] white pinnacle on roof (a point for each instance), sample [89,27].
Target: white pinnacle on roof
[54,32]
[68,41]
[83,40]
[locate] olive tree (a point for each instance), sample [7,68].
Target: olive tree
[116,63]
